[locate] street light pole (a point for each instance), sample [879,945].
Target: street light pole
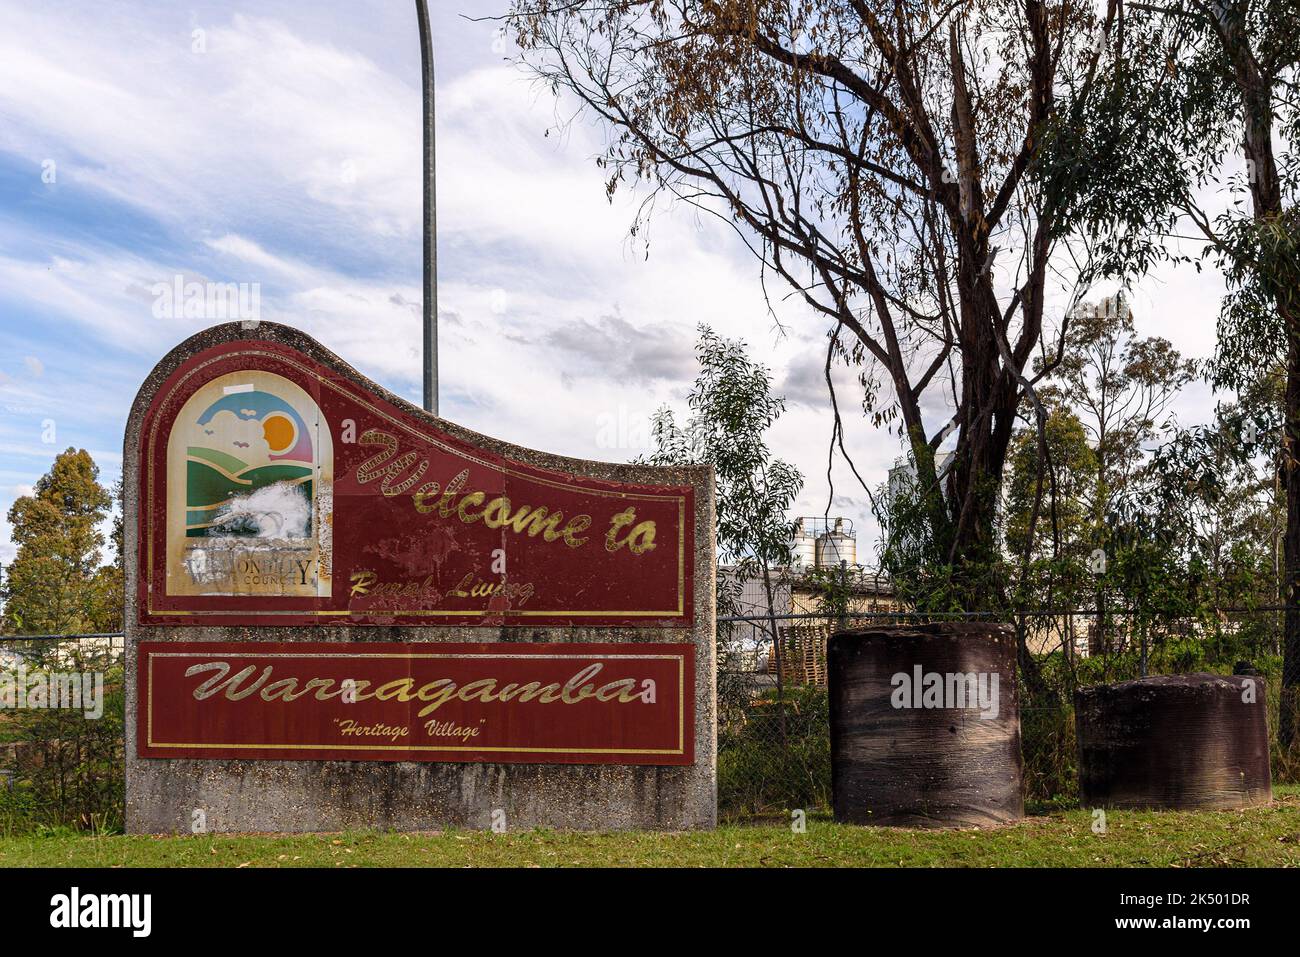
[430,217]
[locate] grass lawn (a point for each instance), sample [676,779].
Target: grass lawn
[1259,837]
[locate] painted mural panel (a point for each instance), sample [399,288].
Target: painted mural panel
[249,490]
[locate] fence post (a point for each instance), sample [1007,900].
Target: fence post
[844,590]
[776,647]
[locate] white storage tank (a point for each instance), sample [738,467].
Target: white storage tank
[804,549]
[837,545]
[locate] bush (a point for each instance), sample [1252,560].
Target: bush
[763,769]
[68,770]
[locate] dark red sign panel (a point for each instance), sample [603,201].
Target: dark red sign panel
[278,490]
[499,702]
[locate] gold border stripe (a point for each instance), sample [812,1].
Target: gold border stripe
[681,702]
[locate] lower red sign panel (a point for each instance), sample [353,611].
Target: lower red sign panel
[522,703]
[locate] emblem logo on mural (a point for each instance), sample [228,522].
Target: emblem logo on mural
[249,465]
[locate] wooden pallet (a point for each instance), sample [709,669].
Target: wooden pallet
[803,654]
[803,649]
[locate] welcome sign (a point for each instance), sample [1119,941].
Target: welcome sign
[344,612]
[279,492]
[553,703]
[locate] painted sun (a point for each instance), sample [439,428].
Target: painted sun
[280,433]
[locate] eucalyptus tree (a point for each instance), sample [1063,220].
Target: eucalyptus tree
[1120,386]
[732,409]
[874,156]
[50,586]
[57,584]
[1052,557]
[1189,134]
[1217,501]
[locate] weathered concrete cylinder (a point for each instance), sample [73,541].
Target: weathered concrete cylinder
[1174,742]
[925,725]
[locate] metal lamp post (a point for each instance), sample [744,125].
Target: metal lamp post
[430,217]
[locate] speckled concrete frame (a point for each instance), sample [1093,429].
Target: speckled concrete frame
[241,796]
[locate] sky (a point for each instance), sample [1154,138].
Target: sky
[279,144]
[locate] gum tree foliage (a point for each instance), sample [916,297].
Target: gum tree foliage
[1051,557]
[1190,132]
[1119,386]
[68,767]
[1194,534]
[1047,532]
[1108,396]
[55,584]
[1215,503]
[875,157]
[732,409]
[1146,535]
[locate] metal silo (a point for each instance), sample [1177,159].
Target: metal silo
[804,549]
[836,545]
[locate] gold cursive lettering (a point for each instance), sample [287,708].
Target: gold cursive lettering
[433,694]
[498,512]
[638,541]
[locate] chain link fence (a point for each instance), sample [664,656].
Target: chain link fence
[61,768]
[61,733]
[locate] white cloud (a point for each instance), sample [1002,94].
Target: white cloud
[285,156]
[262,121]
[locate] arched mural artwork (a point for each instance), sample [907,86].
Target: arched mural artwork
[276,491]
[345,612]
[250,474]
